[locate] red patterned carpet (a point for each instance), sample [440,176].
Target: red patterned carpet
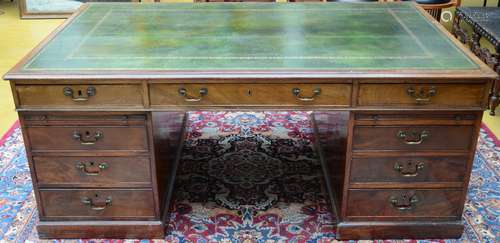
[249,177]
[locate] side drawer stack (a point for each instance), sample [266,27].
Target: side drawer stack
[91,167]
[409,167]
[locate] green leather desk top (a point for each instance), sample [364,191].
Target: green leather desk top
[248,37]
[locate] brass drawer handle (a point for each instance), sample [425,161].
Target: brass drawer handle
[296,92]
[97,206]
[405,201]
[423,95]
[408,169]
[87,138]
[91,172]
[413,137]
[183,92]
[79,95]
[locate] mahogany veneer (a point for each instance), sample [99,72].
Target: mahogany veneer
[109,95]
[98,171]
[330,95]
[396,132]
[99,204]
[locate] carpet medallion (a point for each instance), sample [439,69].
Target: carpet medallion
[248,177]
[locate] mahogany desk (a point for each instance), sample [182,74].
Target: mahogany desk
[102,102]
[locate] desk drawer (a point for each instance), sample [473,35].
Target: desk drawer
[97,204]
[413,137]
[400,204]
[424,95]
[87,138]
[92,171]
[408,169]
[250,94]
[100,95]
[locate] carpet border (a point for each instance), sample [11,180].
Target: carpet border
[9,132]
[490,134]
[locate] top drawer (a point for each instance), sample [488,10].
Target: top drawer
[250,94]
[425,95]
[414,131]
[102,95]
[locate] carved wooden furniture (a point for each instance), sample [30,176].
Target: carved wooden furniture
[485,23]
[396,123]
[435,7]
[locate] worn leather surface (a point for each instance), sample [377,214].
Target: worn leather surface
[250,36]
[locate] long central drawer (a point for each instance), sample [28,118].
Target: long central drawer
[250,94]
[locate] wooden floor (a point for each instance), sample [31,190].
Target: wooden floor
[20,36]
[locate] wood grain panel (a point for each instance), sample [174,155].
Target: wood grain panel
[92,171]
[400,230]
[168,134]
[446,95]
[408,169]
[150,229]
[364,203]
[416,118]
[62,138]
[79,118]
[62,203]
[438,138]
[116,95]
[251,94]
[331,134]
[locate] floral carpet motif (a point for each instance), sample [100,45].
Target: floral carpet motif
[248,177]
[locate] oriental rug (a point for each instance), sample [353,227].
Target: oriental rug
[248,177]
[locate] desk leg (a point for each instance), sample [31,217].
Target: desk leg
[495,96]
[168,137]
